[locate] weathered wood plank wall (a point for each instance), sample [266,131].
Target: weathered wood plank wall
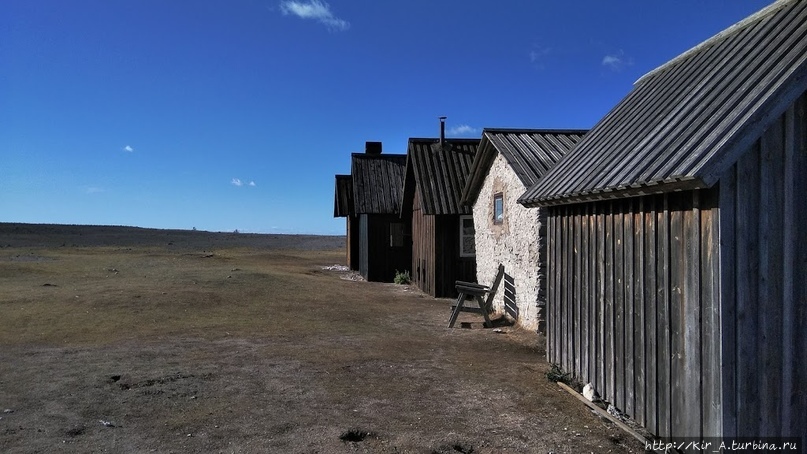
[450,267]
[627,302]
[688,310]
[378,259]
[352,238]
[423,255]
[763,268]
[436,263]
[364,252]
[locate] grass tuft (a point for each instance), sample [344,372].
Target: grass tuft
[402,277]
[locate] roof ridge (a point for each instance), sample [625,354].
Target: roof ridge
[362,154]
[759,15]
[437,139]
[537,130]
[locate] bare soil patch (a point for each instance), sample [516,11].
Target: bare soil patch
[137,340]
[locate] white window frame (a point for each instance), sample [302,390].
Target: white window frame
[499,196]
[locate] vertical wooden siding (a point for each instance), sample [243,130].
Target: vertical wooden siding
[378,260]
[364,252]
[449,266]
[633,306]
[423,235]
[764,282]
[352,246]
[436,263]
[688,317]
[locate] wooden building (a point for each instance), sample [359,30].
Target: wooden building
[379,241]
[678,246]
[442,229]
[508,162]
[343,207]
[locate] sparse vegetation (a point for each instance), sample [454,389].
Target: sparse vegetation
[402,277]
[244,343]
[556,374]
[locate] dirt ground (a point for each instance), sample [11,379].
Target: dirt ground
[135,340]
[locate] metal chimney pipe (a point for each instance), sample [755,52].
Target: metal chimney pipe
[442,132]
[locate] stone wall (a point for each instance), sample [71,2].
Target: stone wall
[518,243]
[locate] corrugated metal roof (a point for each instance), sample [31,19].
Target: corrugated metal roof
[343,197]
[683,124]
[529,152]
[439,173]
[377,182]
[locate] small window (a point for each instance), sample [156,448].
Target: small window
[396,234]
[467,232]
[498,208]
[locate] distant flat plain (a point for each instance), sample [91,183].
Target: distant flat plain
[120,339]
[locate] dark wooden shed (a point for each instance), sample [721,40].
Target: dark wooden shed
[384,239]
[343,207]
[442,229]
[677,240]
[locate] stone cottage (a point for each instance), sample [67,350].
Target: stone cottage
[508,162]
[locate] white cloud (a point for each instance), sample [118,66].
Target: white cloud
[616,61]
[93,190]
[538,53]
[462,130]
[314,9]
[611,60]
[128,148]
[239,182]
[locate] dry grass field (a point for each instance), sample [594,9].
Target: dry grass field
[135,340]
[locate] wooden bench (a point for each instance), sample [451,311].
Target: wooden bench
[482,294]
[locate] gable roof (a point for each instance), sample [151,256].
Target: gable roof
[686,122]
[343,197]
[529,152]
[439,174]
[377,182]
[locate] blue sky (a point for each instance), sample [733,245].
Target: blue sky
[236,115]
